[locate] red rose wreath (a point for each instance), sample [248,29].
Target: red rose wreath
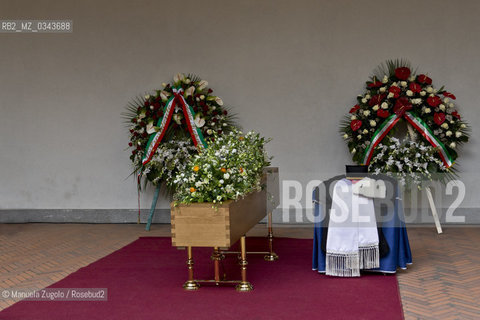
[396,94]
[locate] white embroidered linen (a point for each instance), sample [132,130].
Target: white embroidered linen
[352,240]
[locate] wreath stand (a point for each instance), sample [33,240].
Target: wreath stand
[152,209]
[428,190]
[434,210]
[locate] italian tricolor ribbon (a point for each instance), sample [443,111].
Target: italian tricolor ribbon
[176,99]
[418,124]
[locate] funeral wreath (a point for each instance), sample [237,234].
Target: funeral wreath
[169,125]
[396,94]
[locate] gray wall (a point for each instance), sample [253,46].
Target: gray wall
[290,69]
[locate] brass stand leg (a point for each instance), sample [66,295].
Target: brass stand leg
[216,257]
[244,285]
[190,284]
[272,256]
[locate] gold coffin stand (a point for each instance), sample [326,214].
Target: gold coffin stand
[201,225]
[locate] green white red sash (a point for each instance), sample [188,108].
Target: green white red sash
[378,136]
[427,133]
[176,99]
[418,124]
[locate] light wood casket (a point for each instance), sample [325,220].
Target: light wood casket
[200,225]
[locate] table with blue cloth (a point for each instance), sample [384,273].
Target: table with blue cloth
[393,228]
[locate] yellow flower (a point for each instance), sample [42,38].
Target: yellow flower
[223,170]
[196,168]
[192,189]
[241,138]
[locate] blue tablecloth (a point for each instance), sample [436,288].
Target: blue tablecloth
[394,231]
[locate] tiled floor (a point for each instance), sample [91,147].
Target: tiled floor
[443,282]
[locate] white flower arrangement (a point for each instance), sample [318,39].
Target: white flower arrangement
[168,161]
[231,167]
[407,160]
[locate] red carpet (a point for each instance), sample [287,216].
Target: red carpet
[144,281]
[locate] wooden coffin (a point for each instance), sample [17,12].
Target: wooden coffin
[200,225]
